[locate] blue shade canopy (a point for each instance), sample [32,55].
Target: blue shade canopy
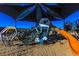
[59,24]
[25,24]
[72,17]
[17,4]
[31,13]
[6,20]
[23,4]
[26,12]
[51,4]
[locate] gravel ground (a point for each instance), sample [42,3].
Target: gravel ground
[56,49]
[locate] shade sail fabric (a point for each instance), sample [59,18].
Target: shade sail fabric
[6,20]
[25,24]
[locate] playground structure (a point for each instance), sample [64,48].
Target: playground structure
[39,33]
[7,35]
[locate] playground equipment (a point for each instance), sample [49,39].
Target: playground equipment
[7,35]
[39,33]
[44,26]
[27,37]
[73,42]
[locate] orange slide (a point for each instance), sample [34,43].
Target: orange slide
[73,43]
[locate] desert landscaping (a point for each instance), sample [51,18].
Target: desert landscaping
[56,49]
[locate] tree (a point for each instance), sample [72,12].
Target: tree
[68,26]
